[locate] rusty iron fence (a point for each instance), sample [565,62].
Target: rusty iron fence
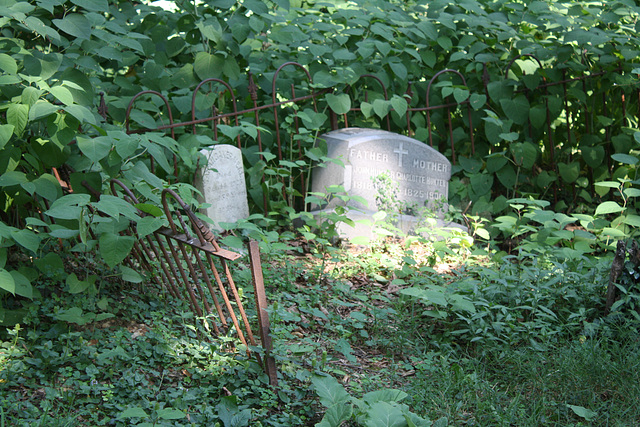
[571,103]
[185,259]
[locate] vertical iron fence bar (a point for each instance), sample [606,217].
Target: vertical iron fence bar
[173,289]
[185,278]
[236,296]
[261,309]
[216,303]
[408,96]
[215,121]
[253,94]
[227,301]
[127,121]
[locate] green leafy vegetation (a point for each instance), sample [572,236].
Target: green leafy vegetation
[503,325]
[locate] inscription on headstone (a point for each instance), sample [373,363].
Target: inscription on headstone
[222,184]
[420,173]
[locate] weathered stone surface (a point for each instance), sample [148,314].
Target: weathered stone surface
[418,177]
[222,184]
[420,173]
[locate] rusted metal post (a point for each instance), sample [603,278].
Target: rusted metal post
[263,316]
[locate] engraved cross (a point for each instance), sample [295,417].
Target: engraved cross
[401,153]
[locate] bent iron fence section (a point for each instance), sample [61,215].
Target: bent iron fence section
[185,259]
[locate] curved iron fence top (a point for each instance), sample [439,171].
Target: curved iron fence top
[228,88]
[127,117]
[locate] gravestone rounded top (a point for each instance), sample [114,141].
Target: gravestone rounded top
[420,173]
[222,184]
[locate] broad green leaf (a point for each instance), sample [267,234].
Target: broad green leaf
[8,179]
[481,183]
[434,295]
[367,109]
[608,208]
[399,70]
[569,172]
[230,68]
[50,265]
[96,148]
[583,412]
[608,184]
[27,239]
[148,225]
[399,105]
[632,220]
[104,316]
[8,64]
[383,47]
[537,116]
[170,414]
[6,281]
[76,285]
[477,101]
[470,165]
[340,103]
[143,119]
[114,248]
[344,55]
[22,285]
[81,113]
[460,95]
[99,6]
[61,232]
[330,391]
[384,395]
[524,154]
[18,117]
[516,109]
[115,206]
[207,65]
[64,211]
[130,275]
[381,107]
[445,43]
[384,414]
[428,28]
[75,24]
[158,154]
[312,119]
[62,94]
[459,302]
[482,233]
[125,147]
[336,415]
[42,108]
[5,134]
[509,136]
[29,96]
[210,29]
[149,209]
[593,156]
[625,158]
[75,315]
[47,187]
[632,192]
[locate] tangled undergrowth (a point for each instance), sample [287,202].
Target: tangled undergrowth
[462,341]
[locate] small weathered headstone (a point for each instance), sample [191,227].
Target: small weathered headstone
[389,171]
[222,184]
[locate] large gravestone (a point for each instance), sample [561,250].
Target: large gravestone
[416,175]
[222,185]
